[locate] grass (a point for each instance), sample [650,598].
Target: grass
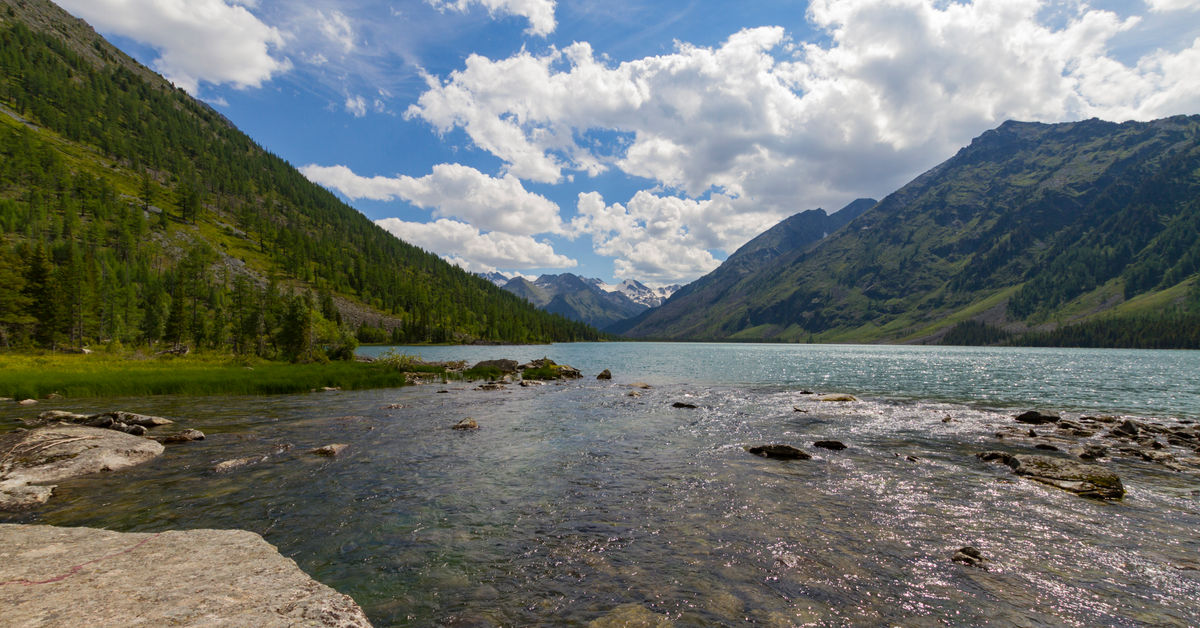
[25,376]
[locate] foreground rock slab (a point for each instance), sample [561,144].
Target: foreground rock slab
[57,452]
[89,577]
[1087,480]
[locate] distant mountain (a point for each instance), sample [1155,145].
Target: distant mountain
[638,292]
[496,278]
[689,307]
[584,299]
[1029,228]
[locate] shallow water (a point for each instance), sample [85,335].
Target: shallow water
[574,501]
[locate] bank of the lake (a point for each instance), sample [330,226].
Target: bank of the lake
[82,376]
[634,499]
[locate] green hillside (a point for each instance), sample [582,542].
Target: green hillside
[132,213]
[1030,228]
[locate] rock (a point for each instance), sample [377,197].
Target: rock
[605,374]
[1045,447]
[634,393]
[58,452]
[393,406]
[831,445]
[442,392]
[798,409]
[642,385]
[27,402]
[92,577]
[781,452]
[136,430]
[1033,417]
[237,463]
[329,450]
[62,415]
[106,422]
[1065,424]
[1091,452]
[683,404]
[54,396]
[532,382]
[505,366]
[947,419]
[837,397]
[806,392]
[466,424]
[1032,434]
[970,556]
[1127,429]
[186,436]
[489,386]
[143,420]
[1087,480]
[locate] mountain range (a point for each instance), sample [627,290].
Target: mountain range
[585,299]
[1031,228]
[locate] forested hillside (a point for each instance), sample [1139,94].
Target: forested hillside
[1025,233]
[132,213]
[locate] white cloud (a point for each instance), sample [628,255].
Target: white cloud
[356,106]
[776,127]
[336,27]
[540,13]
[1163,6]
[197,40]
[463,244]
[453,191]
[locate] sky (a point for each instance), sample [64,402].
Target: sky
[631,139]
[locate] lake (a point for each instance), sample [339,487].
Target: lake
[576,502]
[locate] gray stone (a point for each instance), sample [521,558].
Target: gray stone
[781,452]
[329,450]
[185,436]
[1087,480]
[1033,417]
[605,374]
[466,424]
[831,445]
[237,463]
[970,556]
[90,577]
[57,452]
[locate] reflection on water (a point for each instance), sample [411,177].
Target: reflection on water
[576,501]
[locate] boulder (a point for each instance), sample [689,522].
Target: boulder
[465,424]
[91,577]
[970,556]
[837,397]
[781,452]
[329,450]
[186,436]
[27,402]
[57,452]
[1127,429]
[605,374]
[505,366]
[1033,417]
[1087,480]
[132,418]
[831,445]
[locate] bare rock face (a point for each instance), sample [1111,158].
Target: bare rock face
[56,452]
[90,577]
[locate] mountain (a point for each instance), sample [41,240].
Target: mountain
[1031,228]
[496,278]
[688,310]
[577,298]
[642,294]
[132,213]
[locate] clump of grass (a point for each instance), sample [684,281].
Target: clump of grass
[483,372]
[541,372]
[103,375]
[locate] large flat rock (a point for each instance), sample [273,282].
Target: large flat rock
[57,452]
[52,576]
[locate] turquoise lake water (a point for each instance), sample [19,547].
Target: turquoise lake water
[576,502]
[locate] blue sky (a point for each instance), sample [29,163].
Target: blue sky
[647,140]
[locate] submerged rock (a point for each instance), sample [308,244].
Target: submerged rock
[466,424]
[237,463]
[58,452]
[1087,480]
[832,445]
[642,385]
[781,452]
[186,436]
[329,450]
[1033,417]
[837,397]
[970,556]
[605,374]
[90,577]
[631,616]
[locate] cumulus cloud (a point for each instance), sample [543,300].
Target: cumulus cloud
[464,245]
[356,106]
[775,127]
[540,13]
[197,40]
[453,191]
